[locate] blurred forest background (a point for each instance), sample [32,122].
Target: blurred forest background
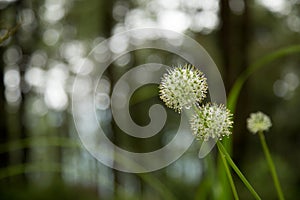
[44,42]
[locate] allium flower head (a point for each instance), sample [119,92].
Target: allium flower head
[183,87]
[211,121]
[258,122]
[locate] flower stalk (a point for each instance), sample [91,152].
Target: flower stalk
[258,123]
[235,194]
[271,165]
[237,171]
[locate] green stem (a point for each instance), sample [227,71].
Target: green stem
[9,33]
[237,171]
[228,174]
[271,165]
[259,63]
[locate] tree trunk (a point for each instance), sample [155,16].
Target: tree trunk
[234,40]
[3,124]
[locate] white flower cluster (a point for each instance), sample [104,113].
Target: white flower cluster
[258,122]
[186,86]
[211,121]
[183,87]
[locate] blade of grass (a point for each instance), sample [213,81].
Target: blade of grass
[29,168]
[51,168]
[235,194]
[208,181]
[39,142]
[222,172]
[65,142]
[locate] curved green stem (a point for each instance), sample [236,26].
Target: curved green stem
[235,90]
[271,165]
[229,175]
[237,171]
